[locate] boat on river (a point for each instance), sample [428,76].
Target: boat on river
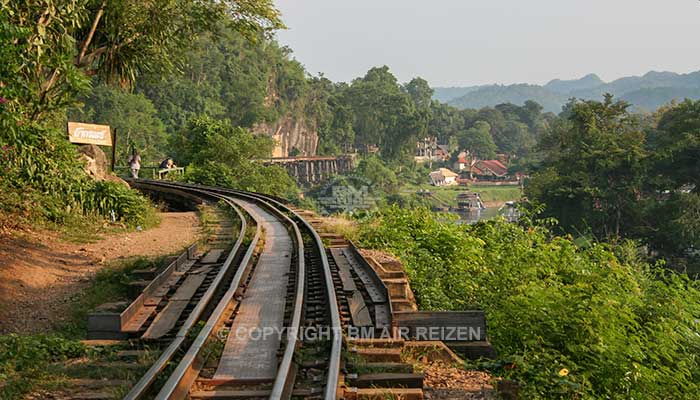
[469,202]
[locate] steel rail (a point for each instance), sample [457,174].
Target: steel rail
[284,381]
[144,384]
[333,373]
[179,382]
[286,372]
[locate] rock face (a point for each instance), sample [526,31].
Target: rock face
[96,164]
[290,133]
[95,161]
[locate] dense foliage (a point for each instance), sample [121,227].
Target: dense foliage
[50,50]
[219,154]
[568,322]
[131,116]
[25,358]
[612,174]
[226,76]
[592,173]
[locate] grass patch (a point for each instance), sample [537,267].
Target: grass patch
[208,221]
[24,361]
[81,229]
[497,193]
[342,225]
[47,362]
[18,212]
[104,207]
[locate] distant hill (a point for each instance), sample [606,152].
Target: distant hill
[647,92]
[590,81]
[445,94]
[517,94]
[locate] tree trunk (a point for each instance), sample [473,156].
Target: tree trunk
[91,33]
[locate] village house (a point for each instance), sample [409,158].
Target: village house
[481,169]
[443,177]
[490,170]
[462,162]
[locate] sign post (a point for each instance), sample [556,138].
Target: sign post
[114,148]
[79,132]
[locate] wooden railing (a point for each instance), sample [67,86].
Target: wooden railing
[149,172]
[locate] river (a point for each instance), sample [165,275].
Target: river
[472,217]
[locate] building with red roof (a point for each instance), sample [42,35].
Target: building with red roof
[490,168]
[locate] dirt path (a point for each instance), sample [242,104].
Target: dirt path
[40,273]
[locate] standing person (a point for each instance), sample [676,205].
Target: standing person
[135,163]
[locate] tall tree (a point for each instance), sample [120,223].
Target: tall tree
[385,115]
[115,40]
[477,141]
[445,121]
[676,148]
[421,94]
[592,174]
[329,106]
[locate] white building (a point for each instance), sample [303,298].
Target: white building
[443,177]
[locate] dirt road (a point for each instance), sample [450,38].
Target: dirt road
[39,273]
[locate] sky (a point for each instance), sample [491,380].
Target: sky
[472,42]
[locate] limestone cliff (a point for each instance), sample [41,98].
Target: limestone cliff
[289,133]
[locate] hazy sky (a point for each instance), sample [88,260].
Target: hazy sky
[467,42]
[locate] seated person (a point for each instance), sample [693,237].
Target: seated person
[167,164]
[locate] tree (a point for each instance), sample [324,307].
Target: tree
[445,121]
[132,115]
[675,160]
[228,76]
[380,176]
[219,154]
[530,113]
[116,41]
[672,203]
[421,94]
[675,230]
[328,105]
[514,138]
[478,141]
[592,174]
[384,115]
[41,75]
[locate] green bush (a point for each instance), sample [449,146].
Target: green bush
[23,359]
[127,205]
[44,179]
[219,154]
[568,322]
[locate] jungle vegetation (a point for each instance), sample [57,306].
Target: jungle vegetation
[591,295]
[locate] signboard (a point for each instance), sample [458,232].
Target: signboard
[79,132]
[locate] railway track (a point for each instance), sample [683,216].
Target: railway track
[267,314]
[273,329]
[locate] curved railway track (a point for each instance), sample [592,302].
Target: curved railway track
[279,287]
